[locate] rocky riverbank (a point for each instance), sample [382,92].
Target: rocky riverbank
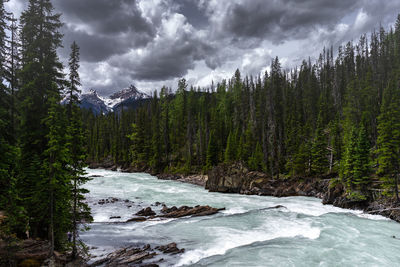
[237,178]
[34,252]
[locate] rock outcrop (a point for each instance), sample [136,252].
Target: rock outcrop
[135,256]
[237,178]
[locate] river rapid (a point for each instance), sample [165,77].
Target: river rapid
[301,233]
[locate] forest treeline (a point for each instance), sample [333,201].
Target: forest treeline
[42,143]
[338,115]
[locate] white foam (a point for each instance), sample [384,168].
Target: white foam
[234,210]
[228,238]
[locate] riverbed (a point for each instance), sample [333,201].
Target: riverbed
[303,232]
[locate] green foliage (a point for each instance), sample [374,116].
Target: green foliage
[230,151]
[42,150]
[319,150]
[212,152]
[388,141]
[256,161]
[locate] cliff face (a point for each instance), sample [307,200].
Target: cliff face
[237,178]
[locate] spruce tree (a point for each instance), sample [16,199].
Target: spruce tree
[230,151]
[77,149]
[54,200]
[319,161]
[348,162]
[388,141]
[256,161]
[362,170]
[212,152]
[41,79]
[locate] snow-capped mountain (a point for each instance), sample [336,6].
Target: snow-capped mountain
[125,98]
[93,101]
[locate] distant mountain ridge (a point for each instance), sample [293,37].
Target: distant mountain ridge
[126,98]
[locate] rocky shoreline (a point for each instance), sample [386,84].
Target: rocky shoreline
[236,178]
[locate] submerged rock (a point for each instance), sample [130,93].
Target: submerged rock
[146,212]
[137,219]
[171,248]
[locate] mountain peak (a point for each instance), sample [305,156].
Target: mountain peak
[129,93]
[121,99]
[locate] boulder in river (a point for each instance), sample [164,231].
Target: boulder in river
[171,248]
[146,212]
[189,211]
[137,219]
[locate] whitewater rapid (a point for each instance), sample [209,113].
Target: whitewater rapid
[301,233]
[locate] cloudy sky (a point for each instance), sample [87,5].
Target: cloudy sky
[151,43]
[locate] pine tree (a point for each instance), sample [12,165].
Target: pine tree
[256,161]
[155,161]
[57,186]
[348,162]
[212,152]
[77,149]
[230,151]
[318,149]
[362,168]
[41,79]
[74,80]
[388,141]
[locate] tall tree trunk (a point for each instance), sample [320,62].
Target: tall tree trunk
[51,217]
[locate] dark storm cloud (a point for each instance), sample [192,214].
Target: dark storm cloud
[278,21]
[168,57]
[193,12]
[170,62]
[157,41]
[94,48]
[109,17]
[104,28]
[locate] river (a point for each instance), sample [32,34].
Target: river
[301,233]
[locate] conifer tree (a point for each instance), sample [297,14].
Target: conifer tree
[54,202]
[388,141]
[256,161]
[77,149]
[41,80]
[318,149]
[362,168]
[230,151]
[212,152]
[348,163]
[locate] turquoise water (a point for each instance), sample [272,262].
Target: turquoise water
[302,233]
